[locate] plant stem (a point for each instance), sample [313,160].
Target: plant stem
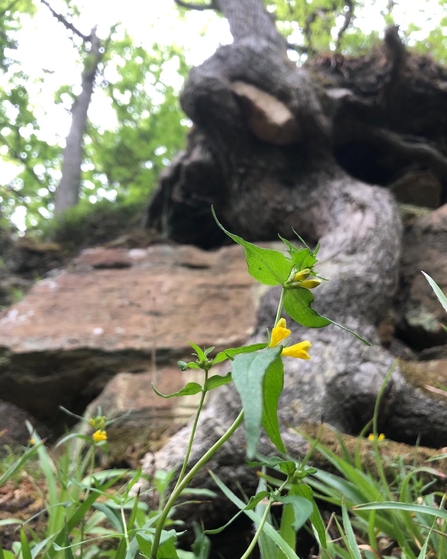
[280,307]
[258,533]
[259,529]
[181,486]
[192,436]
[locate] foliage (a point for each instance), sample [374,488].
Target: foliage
[122,160]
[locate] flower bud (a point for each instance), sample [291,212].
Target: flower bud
[310,284]
[301,275]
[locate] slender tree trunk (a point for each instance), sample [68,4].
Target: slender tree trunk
[67,194]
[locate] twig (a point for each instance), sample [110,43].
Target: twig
[67,24]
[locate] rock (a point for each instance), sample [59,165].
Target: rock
[142,420]
[420,315]
[419,188]
[114,310]
[268,118]
[13,430]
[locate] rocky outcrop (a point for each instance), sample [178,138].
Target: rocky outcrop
[120,310]
[419,314]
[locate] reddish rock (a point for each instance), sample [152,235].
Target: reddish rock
[113,310]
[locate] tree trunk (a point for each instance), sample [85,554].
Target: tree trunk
[275,147]
[67,194]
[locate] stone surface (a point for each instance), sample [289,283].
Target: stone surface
[268,118]
[142,420]
[116,310]
[13,430]
[420,315]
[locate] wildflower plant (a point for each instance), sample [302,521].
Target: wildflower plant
[79,505]
[257,372]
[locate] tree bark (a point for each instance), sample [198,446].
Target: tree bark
[313,183]
[67,193]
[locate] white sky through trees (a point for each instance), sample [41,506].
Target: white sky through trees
[48,56]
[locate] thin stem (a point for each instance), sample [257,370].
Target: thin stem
[258,533]
[192,436]
[280,307]
[181,486]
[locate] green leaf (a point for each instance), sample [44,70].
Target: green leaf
[217,380]
[26,551]
[301,257]
[286,466]
[183,365]
[248,377]
[302,508]
[268,266]
[233,351]
[268,529]
[391,505]
[190,389]
[297,304]
[273,386]
[353,547]
[315,518]
[437,290]
[201,356]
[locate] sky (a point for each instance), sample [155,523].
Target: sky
[44,44]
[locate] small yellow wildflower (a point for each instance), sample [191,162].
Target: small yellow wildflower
[99,436]
[98,422]
[302,275]
[310,283]
[32,441]
[371,437]
[279,333]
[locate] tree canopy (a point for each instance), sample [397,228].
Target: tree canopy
[137,87]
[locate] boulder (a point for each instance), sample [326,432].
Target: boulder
[118,310]
[419,313]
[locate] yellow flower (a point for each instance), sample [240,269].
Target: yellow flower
[32,441]
[299,351]
[371,437]
[99,436]
[279,333]
[310,283]
[302,275]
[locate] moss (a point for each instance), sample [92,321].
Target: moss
[391,452]
[90,225]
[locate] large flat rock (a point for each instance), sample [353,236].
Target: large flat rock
[116,310]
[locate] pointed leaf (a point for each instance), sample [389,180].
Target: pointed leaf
[315,518]
[297,304]
[190,389]
[302,509]
[233,351]
[437,290]
[199,352]
[268,266]
[301,257]
[248,377]
[183,365]
[217,380]
[273,386]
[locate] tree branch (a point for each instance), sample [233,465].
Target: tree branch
[65,23]
[348,17]
[200,7]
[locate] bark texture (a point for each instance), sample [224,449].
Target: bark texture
[67,194]
[358,123]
